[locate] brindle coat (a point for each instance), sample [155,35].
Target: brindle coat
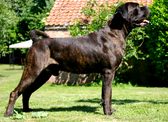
[98,52]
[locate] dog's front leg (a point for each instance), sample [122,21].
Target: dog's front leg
[107,77]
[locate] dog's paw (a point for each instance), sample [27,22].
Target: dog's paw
[8,114]
[27,110]
[109,112]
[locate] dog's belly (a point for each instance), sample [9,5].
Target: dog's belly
[84,67]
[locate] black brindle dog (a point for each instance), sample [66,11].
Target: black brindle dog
[98,52]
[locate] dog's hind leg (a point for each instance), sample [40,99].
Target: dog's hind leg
[29,83]
[20,89]
[13,96]
[37,61]
[39,81]
[26,81]
[52,69]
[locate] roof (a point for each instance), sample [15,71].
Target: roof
[25,44]
[65,11]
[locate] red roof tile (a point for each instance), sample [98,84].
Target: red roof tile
[65,11]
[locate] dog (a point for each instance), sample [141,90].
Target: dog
[98,52]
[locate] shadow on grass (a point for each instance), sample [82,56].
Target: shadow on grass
[125,101]
[87,109]
[90,109]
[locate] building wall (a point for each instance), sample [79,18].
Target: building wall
[58,33]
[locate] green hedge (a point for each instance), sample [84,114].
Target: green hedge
[157,44]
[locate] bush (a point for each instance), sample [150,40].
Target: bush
[18,18]
[97,15]
[157,45]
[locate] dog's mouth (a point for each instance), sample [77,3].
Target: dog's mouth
[141,23]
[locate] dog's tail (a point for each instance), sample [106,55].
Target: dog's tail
[33,35]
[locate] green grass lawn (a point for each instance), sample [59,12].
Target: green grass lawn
[81,103]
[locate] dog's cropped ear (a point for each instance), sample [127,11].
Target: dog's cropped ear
[117,21]
[119,17]
[123,9]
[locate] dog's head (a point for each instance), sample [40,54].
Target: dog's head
[130,14]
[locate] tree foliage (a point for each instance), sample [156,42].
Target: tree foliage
[96,17]
[157,45]
[8,26]
[18,17]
